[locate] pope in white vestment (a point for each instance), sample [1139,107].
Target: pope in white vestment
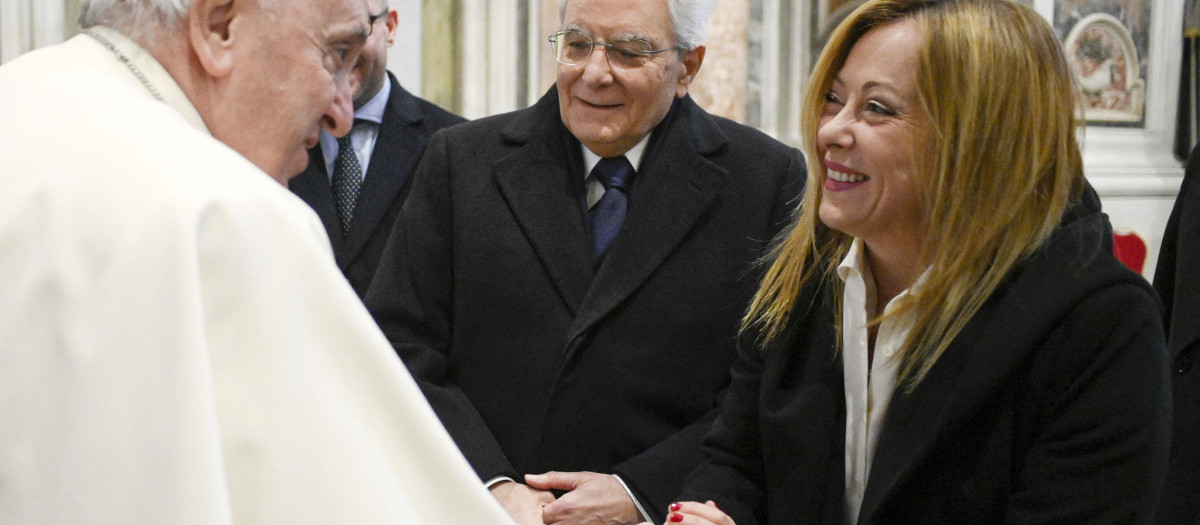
[177,345]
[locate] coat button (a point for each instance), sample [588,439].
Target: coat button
[1183,364]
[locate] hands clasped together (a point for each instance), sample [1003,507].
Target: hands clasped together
[591,498]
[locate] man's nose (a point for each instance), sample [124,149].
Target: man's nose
[597,67]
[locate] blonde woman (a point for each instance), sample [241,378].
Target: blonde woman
[943,335]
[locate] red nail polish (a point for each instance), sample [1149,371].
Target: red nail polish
[717,506]
[676,518]
[675,507]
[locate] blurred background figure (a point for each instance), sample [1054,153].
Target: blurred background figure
[357,183]
[1177,280]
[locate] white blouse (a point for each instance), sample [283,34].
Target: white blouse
[868,392]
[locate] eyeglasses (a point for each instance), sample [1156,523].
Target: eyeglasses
[572,48]
[371,19]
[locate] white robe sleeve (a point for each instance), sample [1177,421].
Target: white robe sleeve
[177,345]
[327,385]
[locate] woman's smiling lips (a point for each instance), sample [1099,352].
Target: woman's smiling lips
[841,178]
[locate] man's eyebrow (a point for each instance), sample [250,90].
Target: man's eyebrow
[628,35]
[631,35]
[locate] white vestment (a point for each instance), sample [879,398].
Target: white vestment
[177,345]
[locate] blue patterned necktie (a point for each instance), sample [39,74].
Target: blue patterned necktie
[347,178]
[616,175]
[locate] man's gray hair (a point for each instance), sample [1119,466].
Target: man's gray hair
[130,16]
[689,20]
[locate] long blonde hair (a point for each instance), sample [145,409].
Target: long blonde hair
[1002,165]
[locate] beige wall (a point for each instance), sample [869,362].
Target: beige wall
[721,85]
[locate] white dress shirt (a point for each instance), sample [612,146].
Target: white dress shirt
[592,185]
[868,387]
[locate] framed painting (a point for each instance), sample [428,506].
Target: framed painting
[1107,43]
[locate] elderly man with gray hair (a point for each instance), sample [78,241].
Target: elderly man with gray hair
[566,281]
[176,342]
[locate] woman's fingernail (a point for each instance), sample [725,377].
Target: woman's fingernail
[675,507]
[676,518]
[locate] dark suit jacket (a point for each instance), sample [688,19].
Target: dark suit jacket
[407,124]
[1051,406]
[534,360]
[1177,279]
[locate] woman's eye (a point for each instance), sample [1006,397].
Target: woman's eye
[876,107]
[832,98]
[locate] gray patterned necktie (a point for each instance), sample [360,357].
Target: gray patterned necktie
[347,178]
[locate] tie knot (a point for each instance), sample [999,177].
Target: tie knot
[614,172]
[344,142]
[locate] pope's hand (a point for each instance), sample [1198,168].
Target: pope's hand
[523,503]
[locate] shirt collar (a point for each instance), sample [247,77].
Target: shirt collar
[635,154]
[852,263]
[853,266]
[373,110]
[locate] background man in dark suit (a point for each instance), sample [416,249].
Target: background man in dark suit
[391,127]
[578,320]
[1177,280]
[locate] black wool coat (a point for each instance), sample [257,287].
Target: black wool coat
[1051,406]
[534,359]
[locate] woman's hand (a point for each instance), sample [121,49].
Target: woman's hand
[692,513]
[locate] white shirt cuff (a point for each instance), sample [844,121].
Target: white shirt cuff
[641,510]
[498,479]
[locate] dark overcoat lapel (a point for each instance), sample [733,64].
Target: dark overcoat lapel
[312,186]
[542,182]
[397,150]
[1177,283]
[407,124]
[674,187]
[1180,261]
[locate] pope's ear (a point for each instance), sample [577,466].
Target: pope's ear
[210,25]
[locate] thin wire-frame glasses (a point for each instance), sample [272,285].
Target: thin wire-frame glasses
[371,19]
[573,48]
